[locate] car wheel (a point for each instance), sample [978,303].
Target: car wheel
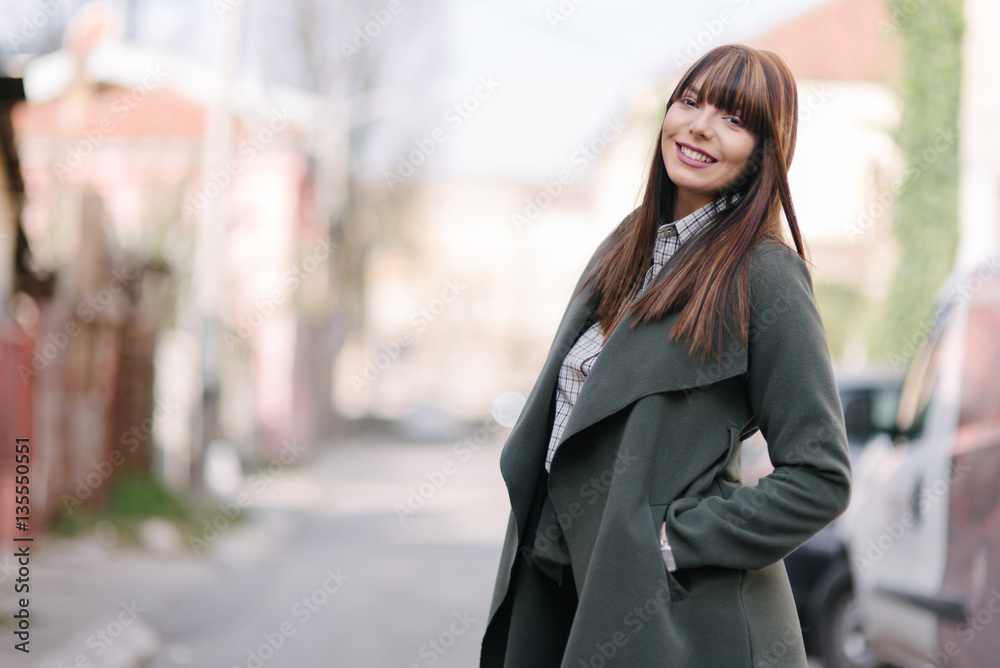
[842,634]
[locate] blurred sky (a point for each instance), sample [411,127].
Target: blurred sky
[559,70]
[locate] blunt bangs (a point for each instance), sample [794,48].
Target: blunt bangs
[735,82]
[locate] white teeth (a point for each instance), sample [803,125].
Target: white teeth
[694,155]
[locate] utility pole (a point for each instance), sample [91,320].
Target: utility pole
[207,278]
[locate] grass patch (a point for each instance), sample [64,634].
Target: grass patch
[131,500]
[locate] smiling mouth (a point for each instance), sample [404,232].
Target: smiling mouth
[695,155]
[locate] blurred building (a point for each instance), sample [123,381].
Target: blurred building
[111,145]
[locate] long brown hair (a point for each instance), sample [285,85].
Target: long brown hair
[758,85]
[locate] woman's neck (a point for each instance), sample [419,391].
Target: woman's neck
[686,203]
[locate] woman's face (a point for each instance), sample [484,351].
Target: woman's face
[704,150]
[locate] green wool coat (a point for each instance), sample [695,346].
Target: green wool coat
[655,435]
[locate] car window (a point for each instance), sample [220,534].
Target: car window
[885,404]
[921,381]
[869,408]
[857,415]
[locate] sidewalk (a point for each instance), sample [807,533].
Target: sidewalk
[88,603]
[95,604]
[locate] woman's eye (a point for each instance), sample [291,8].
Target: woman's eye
[688,101]
[735,120]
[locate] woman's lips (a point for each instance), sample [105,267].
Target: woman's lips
[693,162]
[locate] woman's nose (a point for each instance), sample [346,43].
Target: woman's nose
[701,123]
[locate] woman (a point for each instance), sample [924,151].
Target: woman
[632,539]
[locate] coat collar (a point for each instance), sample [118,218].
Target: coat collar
[637,362]
[632,364]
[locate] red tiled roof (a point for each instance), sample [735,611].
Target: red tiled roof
[114,111]
[850,40]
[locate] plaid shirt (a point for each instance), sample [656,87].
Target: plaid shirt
[581,357]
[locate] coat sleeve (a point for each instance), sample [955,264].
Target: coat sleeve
[793,394]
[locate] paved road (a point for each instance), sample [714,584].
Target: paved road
[333,577]
[325,574]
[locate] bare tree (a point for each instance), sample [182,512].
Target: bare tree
[350,72]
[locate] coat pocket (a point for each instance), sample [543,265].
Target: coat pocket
[676,580]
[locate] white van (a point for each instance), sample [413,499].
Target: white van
[923,529]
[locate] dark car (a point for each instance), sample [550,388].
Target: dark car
[819,571]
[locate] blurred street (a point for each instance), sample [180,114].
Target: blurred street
[400,594]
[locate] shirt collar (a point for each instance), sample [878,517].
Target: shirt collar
[692,223]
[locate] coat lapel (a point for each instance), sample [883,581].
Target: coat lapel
[637,362]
